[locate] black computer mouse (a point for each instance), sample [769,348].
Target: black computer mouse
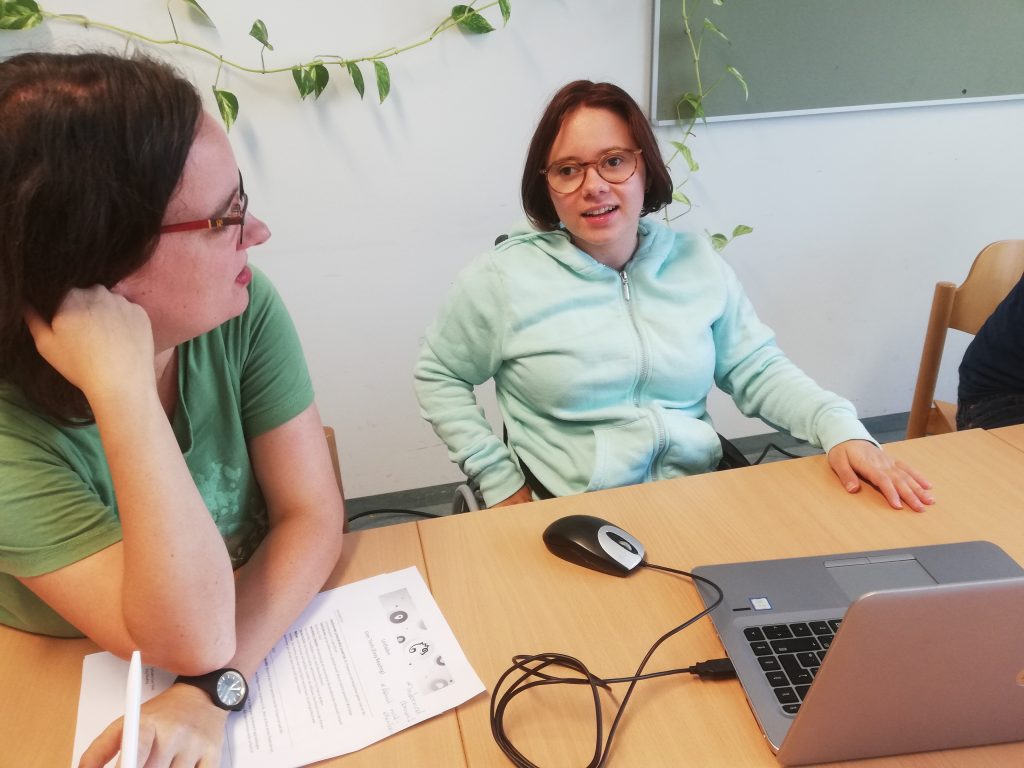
[594,543]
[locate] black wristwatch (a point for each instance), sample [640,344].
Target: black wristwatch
[226,687]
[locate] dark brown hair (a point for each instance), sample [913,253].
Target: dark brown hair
[92,148]
[583,93]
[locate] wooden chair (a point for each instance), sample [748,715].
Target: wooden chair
[994,272]
[332,447]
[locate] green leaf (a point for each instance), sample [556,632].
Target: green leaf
[719,241]
[320,77]
[383,79]
[470,21]
[303,81]
[679,197]
[736,73]
[201,12]
[259,32]
[311,79]
[227,103]
[694,102]
[712,28]
[718,2]
[688,156]
[357,77]
[742,229]
[506,9]
[20,14]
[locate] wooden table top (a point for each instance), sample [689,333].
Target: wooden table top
[41,678]
[504,594]
[1013,435]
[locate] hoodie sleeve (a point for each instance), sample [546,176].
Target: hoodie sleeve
[463,348]
[764,383]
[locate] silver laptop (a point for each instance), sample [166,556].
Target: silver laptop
[877,653]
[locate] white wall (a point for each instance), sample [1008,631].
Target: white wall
[375,208]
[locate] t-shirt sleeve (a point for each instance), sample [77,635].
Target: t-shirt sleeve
[50,517]
[275,385]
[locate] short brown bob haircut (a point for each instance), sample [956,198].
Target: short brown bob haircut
[584,93]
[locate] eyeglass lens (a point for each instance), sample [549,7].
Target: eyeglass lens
[614,167]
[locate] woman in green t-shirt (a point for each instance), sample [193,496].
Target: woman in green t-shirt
[164,483]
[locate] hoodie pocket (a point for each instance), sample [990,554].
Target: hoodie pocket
[622,454]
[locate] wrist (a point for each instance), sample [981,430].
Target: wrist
[199,700]
[225,689]
[112,400]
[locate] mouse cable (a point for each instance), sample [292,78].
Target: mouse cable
[389,511]
[532,668]
[769,447]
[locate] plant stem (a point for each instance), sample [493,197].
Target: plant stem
[83,21]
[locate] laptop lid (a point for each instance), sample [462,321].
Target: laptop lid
[811,591]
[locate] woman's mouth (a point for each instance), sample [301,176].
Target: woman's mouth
[602,211]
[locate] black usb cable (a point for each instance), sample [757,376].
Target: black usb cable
[532,669]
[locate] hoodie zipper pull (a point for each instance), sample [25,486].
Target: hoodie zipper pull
[625,284]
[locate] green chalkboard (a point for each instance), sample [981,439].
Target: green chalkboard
[830,55]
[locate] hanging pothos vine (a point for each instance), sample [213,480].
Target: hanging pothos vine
[311,77]
[690,108]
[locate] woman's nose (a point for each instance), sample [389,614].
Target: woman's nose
[256,232]
[592,180]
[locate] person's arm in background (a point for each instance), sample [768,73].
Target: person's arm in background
[463,349]
[765,383]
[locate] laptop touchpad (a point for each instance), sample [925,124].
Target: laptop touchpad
[859,575]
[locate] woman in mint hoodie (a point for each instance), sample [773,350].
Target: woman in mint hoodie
[604,333]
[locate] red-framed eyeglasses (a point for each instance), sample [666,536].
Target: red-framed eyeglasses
[235,218]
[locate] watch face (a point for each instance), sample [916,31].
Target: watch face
[231,688]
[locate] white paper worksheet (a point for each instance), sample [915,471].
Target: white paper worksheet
[362,662]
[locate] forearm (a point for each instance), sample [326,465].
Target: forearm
[276,585]
[177,585]
[771,387]
[450,405]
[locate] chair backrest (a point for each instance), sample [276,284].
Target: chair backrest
[332,446]
[995,271]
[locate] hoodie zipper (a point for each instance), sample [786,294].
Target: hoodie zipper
[645,370]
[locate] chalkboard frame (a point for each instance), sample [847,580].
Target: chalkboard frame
[988,83]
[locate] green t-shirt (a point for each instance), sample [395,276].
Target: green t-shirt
[57,503]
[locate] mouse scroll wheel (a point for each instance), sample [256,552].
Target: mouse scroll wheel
[622,542]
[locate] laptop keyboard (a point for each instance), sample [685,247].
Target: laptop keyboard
[790,654]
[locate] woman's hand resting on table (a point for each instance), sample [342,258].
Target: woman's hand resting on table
[521,496]
[180,726]
[857,460]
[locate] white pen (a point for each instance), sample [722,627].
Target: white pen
[132,706]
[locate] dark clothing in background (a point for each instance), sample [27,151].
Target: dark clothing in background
[991,392]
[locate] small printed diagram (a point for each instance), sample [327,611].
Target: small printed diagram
[414,642]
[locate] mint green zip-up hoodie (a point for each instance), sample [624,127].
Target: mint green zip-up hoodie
[602,376]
